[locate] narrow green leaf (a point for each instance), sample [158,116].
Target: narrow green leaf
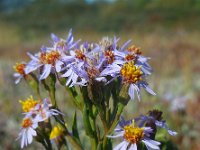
[75,128]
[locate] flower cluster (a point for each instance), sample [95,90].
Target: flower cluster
[35,112]
[101,78]
[79,63]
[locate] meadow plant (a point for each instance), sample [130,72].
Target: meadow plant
[101,79]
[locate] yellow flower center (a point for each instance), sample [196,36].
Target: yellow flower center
[133,134]
[19,67]
[27,122]
[56,132]
[49,57]
[80,55]
[129,57]
[135,50]
[110,56]
[28,104]
[131,73]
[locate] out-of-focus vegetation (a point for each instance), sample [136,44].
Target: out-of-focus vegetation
[167,30]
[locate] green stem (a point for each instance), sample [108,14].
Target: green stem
[117,116]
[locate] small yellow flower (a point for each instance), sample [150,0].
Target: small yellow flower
[28,104]
[56,132]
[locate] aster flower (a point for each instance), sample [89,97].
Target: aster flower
[38,109]
[154,118]
[133,53]
[131,74]
[42,111]
[48,60]
[20,71]
[64,44]
[27,131]
[133,135]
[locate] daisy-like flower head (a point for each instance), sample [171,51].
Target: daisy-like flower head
[131,74]
[64,44]
[27,131]
[133,135]
[154,119]
[48,60]
[28,104]
[20,72]
[42,111]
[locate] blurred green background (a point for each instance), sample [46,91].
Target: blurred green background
[167,30]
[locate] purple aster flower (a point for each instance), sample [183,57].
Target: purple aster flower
[48,61]
[154,119]
[131,74]
[133,135]
[27,131]
[20,71]
[64,44]
[42,111]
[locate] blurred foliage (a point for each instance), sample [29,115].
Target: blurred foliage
[100,15]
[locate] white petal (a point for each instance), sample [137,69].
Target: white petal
[125,45]
[131,91]
[121,134]
[22,141]
[133,147]
[149,90]
[18,80]
[137,91]
[68,73]
[16,75]
[151,145]
[124,147]
[32,57]
[46,71]
[119,146]
[69,79]
[32,66]
[29,136]
[58,65]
